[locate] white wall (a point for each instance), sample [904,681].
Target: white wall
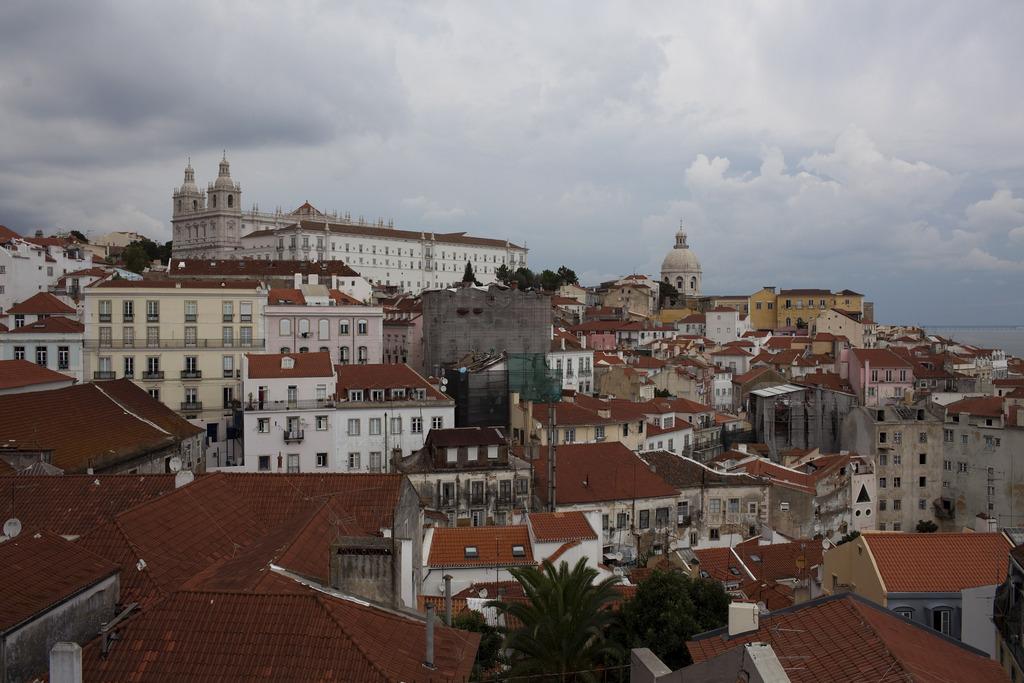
[976,626]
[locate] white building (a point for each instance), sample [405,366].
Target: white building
[211,224]
[32,265]
[571,360]
[43,330]
[723,324]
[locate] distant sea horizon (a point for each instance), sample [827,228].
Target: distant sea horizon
[1009,338]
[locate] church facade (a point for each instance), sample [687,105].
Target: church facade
[210,224]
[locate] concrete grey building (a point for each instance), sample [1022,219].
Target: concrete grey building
[465,321]
[794,416]
[905,442]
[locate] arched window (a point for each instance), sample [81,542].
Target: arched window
[195,204]
[679,284]
[323,329]
[285,327]
[213,201]
[693,283]
[303,326]
[231,201]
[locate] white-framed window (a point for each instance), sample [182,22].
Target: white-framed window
[321,460]
[263,425]
[416,425]
[321,423]
[374,426]
[396,425]
[353,426]
[437,422]
[375,461]
[353,461]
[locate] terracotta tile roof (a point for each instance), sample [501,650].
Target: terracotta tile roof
[777,474]
[396,233]
[981,406]
[594,473]
[342,299]
[780,560]
[847,638]
[6,234]
[467,436]
[177,284]
[73,505]
[41,570]
[269,365]
[493,546]
[42,303]
[568,414]
[939,562]
[754,373]
[560,526]
[880,358]
[196,635]
[101,424]
[382,376]
[722,565]
[56,324]
[679,425]
[257,268]
[293,297]
[682,472]
[827,380]
[22,373]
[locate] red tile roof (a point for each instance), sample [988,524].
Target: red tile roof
[269,365]
[22,373]
[754,373]
[101,424]
[41,570]
[939,562]
[304,636]
[880,358]
[847,638]
[56,324]
[981,406]
[175,284]
[560,526]
[594,473]
[827,380]
[777,474]
[42,303]
[780,560]
[493,546]
[568,414]
[6,234]
[257,268]
[722,565]
[382,376]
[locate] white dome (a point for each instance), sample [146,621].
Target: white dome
[680,259]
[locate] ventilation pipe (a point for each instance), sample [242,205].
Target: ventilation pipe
[429,660]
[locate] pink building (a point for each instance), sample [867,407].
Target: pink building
[403,332]
[879,376]
[314,318]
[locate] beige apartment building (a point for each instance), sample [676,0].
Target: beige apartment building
[180,340]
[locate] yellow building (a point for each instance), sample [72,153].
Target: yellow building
[798,308]
[181,340]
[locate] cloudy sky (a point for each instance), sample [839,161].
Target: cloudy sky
[875,146]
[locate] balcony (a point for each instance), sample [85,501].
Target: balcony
[305,404]
[191,406]
[152,317]
[105,317]
[191,374]
[104,374]
[191,317]
[212,343]
[128,317]
[228,318]
[294,436]
[153,374]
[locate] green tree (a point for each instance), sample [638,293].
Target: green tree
[468,276]
[77,234]
[848,537]
[525,278]
[567,276]
[488,656]
[666,292]
[549,280]
[135,257]
[564,621]
[504,274]
[927,526]
[668,609]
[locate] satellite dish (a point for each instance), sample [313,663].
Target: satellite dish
[12,527]
[174,464]
[183,477]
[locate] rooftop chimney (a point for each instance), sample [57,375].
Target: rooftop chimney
[448,599]
[314,279]
[429,661]
[742,618]
[66,663]
[297,280]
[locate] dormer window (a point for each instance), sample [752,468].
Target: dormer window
[518,551]
[420,394]
[376,394]
[287,363]
[472,553]
[355,394]
[397,393]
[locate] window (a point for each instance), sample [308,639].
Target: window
[437,422]
[191,336]
[645,519]
[284,327]
[396,425]
[784,506]
[228,308]
[734,505]
[947,465]
[961,467]
[104,311]
[353,461]
[963,439]
[881,482]
[947,435]
[152,311]
[621,520]
[321,423]
[897,459]
[896,482]
[897,437]
[882,504]
[715,506]
[922,482]
[343,326]
[353,426]
[905,612]
[883,459]
[570,435]
[245,311]
[293,463]
[323,329]
[362,355]
[264,463]
[599,433]
[263,425]
[343,355]
[897,504]
[245,335]
[416,425]
[922,459]
[228,336]
[128,310]
[361,327]
[752,508]
[375,461]
[355,394]
[374,426]
[713,534]
[661,518]
[152,337]
[19,353]
[922,437]
[942,620]
[376,394]
[41,355]
[882,437]
[922,504]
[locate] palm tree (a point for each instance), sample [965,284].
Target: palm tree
[562,624]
